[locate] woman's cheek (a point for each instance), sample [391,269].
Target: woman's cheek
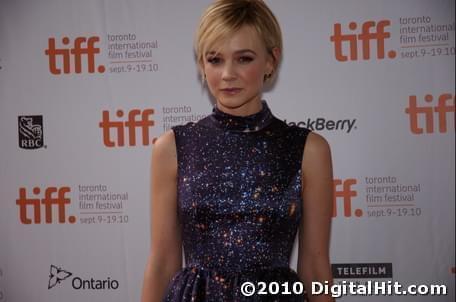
[212,83]
[212,76]
[253,74]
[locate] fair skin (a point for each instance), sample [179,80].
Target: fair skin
[235,74]
[165,258]
[314,229]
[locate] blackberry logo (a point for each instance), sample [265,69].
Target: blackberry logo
[57,275]
[321,123]
[30,131]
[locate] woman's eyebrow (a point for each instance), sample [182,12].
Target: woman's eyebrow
[240,51]
[244,51]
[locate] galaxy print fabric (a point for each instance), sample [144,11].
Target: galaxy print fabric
[239,204]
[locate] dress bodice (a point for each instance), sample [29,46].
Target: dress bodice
[239,195]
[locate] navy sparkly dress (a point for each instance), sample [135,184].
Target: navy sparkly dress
[239,205]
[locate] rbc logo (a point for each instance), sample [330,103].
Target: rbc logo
[132,124]
[379,35]
[53,197]
[441,111]
[30,131]
[72,56]
[346,193]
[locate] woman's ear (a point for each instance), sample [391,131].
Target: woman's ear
[201,71]
[273,60]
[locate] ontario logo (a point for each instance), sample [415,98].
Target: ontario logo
[57,275]
[30,129]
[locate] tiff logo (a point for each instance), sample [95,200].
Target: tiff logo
[30,131]
[346,193]
[144,123]
[72,56]
[53,196]
[429,112]
[378,34]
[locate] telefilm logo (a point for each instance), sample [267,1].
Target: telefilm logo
[362,270]
[57,275]
[31,208]
[425,119]
[72,55]
[320,123]
[30,128]
[344,192]
[346,45]
[115,132]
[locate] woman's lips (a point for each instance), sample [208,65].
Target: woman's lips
[231,91]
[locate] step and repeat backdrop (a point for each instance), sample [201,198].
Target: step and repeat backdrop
[87,86]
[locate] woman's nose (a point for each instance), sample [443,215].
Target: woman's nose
[229,72]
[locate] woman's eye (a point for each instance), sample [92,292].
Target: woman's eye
[214,60]
[245,59]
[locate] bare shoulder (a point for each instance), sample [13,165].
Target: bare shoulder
[316,145]
[316,162]
[164,148]
[164,156]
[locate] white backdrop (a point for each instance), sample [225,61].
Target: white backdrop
[86,86]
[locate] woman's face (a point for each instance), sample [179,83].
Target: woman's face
[235,71]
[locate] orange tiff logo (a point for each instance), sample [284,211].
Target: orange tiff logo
[72,56]
[144,123]
[370,31]
[53,197]
[428,113]
[343,191]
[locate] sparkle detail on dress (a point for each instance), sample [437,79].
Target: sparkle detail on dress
[239,205]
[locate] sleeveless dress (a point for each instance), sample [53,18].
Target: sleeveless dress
[239,205]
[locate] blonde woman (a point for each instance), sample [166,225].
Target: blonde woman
[232,189]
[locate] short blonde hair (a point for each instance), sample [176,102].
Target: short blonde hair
[224,17]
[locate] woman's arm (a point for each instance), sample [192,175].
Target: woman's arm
[165,258]
[315,226]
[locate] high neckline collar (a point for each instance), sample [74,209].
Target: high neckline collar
[248,123]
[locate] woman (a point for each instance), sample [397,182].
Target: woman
[233,188]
